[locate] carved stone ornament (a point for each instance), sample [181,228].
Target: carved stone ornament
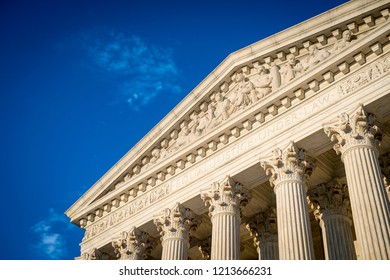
[291,163]
[227,196]
[132,245]
[205,248]
[94,254]
[176,222]
[331,198]
[263,227]
[384,161]
[353,130]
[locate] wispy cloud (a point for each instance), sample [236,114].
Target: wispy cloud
[143,71]
[51,243]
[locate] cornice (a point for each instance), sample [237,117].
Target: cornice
[219,80]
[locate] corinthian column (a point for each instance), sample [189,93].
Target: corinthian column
[356,137]
[332,210]
[175,225]
[384,161]
[225,200]
[265,235]
[290,168]
[132,245]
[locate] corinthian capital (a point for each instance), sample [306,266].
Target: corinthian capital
[94,254]
[291,163]
[356,129]
[176,222]
[227,196]
[330,198]
[263,227]
[132,245]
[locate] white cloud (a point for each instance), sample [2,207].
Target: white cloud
[51,243]
[143,71]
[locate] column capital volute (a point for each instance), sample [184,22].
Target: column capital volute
[227,196]
[176,222]
[94,254]
[292,163]
[328,199]
[132,245]
[263,226]
[351,130]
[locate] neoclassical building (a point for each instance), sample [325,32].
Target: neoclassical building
[282,152]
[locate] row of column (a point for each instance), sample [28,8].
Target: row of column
[357,136]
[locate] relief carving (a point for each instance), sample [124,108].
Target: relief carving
[131,208]
[251,86]
[343,42]
[244,95]
[291,69]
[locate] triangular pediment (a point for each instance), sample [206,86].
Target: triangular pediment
[250,85]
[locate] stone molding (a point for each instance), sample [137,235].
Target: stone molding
[110,215]
[251,72]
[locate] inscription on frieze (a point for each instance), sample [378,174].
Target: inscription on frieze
[364,76]
[128,210]
[266,132]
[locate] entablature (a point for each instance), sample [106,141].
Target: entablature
[241,96]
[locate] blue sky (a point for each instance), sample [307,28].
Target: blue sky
[81,82]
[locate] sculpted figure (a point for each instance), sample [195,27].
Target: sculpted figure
[343,42]
[263,82]
[157,154]
[221,111]
[276,79]
[183,138]
[316,56]
[244,95]
[202,124]
[291,69]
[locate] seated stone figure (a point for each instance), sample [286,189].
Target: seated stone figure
[291,69]
[244,95]
[315,57]
[263,82]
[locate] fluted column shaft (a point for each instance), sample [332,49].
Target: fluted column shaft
[269,250]
[225,236]
[225,200]
[174,249]
[357,136]
[369,203]
[338,238]
[290,168]
[294,231]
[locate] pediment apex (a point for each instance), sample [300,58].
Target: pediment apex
[209,104]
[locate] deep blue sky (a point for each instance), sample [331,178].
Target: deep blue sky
[81,82]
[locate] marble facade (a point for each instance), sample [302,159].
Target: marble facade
[282,152]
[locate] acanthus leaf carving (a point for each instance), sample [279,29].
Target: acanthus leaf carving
[176,222]
[263,227]
[227,196]
[331,198]
[351,130]
[132,245]
[292,163]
